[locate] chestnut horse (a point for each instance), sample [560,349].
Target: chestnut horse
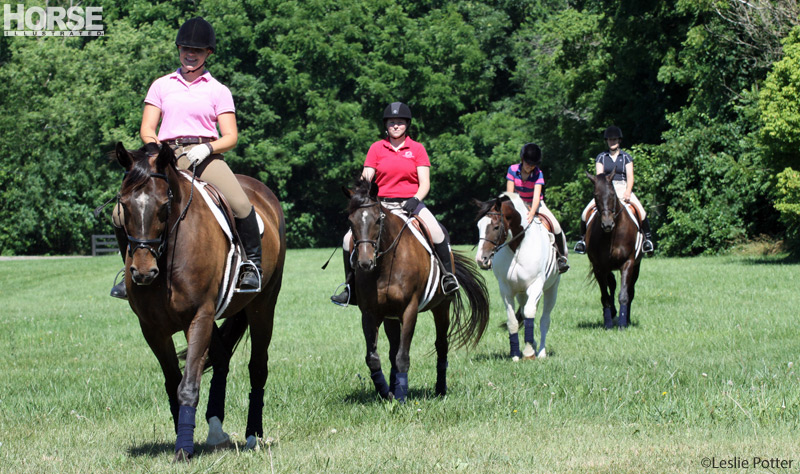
[391,278]
[613,242]
[175,263]
[523,259]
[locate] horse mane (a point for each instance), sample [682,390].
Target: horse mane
[517,202]
[361,194]
[139,174]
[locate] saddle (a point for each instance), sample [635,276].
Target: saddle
[630,208]
[223,214]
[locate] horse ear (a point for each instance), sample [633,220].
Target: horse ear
[610,176]
[165,157]
[348,193]
[373,190]
[123,157]
[591,177]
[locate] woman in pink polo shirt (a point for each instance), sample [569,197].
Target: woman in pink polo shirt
[401,169]
[187,106]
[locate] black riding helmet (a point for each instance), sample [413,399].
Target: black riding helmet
[397,110]
[197,33]
[531,154]
[612,132]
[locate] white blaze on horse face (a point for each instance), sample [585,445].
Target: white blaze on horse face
[364,215]
[141,205]
[482,224]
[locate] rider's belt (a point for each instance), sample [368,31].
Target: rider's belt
[180,141]
[392,199]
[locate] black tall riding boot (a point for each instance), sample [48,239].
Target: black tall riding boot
[449,281]
[251,241]
[647,245]
[348,296]
[561,250]
[119,290]
[580,245]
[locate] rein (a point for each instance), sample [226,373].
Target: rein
[508,242]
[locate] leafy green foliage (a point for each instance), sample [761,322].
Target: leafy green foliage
[310,80]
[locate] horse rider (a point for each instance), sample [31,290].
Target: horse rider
[620,162]
[401,168]
[189,105]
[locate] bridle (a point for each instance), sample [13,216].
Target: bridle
[154,246]
[503,232]
[376,243]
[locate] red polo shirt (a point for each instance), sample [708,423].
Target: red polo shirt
[396,171]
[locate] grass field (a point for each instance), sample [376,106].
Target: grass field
[707,374]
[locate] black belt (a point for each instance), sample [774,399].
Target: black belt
[393,199]
[180,141]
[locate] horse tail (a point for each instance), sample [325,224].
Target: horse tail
[224,339]
[467,329]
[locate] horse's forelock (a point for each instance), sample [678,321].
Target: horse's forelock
[139,173]
[360,195]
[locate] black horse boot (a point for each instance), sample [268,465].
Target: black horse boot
[449,281]
[647,245]
[348,296]
[250,277]
[561,259]
[580,245]
[119,290]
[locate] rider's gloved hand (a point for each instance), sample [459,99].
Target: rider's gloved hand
[411,205]
[199,153]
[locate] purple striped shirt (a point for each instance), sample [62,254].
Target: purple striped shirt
[525,187]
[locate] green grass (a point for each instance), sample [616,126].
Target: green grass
[709,369]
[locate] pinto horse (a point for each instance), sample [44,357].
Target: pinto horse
[176,261]
[392,271]
[613,242]
[523,259]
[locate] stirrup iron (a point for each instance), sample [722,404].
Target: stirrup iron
[247,265]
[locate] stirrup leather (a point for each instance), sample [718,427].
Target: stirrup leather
[247,265]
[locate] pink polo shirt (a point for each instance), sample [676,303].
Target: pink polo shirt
[189,110]
[396,171]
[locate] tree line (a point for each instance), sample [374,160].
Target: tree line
[707,94]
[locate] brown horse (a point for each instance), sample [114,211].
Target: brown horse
[612,239]
[391,278]
[175,263]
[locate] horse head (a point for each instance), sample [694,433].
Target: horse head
[494,220]
[366,217]
[146,200]
[606,200]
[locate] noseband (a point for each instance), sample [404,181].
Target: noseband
[154,246]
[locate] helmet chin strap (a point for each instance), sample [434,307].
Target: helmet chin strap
[195,69]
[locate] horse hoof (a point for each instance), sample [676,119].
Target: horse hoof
[182,457]
[217,439]
[530,357]
[252,443]
[515,359]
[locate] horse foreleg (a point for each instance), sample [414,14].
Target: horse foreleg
[441,318]
[605,299]
[391,326]
[627,281]
[164,350]
[220,356]
[370,329]
[198,338]
[534,293]
[402,359]
[548,303]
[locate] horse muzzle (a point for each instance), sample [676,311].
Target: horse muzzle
[366,265]
[484,263]
[607,224]
[144,278]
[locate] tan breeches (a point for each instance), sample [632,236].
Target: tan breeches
[544,210]
[619,188]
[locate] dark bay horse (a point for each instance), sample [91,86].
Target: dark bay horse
[391,277]
[612,238]
[175,263]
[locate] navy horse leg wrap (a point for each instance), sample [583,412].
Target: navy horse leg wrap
[441,377]
[380,383]
[401,389]
[513,340]
[607,318]
[254,413]
[216,395]
[624,316]
[529,330]
[185,439]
